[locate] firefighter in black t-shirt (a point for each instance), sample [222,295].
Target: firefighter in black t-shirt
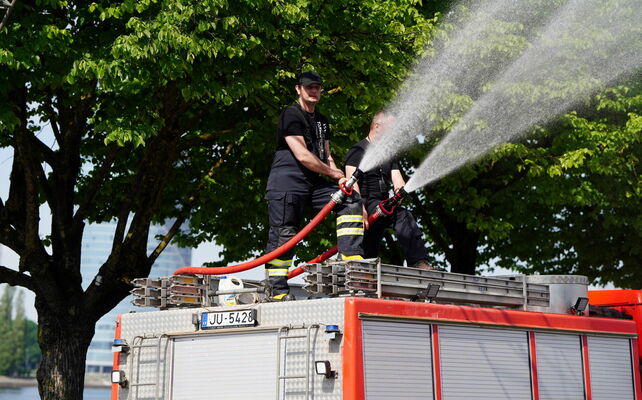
[301,159]
[374,187]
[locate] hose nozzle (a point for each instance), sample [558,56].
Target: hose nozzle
[358,174]
[346,187]
[388,206]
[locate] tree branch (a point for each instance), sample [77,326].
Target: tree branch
[207,137]
[185,212]
[8,235]
[45,151]
[92,189]
[15,278]
[31,169]
[53,121]
[432,228]
[168,236]
[119,233]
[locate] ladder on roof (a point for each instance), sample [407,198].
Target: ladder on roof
[371,278]
[136,350]
[283,335]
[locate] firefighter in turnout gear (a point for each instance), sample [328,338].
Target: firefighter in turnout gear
[374,187]
[301,160]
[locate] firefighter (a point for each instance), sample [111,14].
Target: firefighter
[374,187]
[301,161]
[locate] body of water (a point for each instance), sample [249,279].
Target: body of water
[31,393]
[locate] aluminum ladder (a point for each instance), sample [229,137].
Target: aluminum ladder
[371,278]
[137,346]
[283,335]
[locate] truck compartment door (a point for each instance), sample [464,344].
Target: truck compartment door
[560,374]
[230,366]
[610,368]
[397,360]
[481,363]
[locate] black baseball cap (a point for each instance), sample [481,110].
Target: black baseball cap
[309,77]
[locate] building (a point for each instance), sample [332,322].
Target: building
[96,247]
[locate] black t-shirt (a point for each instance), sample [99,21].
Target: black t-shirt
[376,182]
[287,173]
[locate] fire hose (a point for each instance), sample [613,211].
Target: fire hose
[337,198]
[385,207]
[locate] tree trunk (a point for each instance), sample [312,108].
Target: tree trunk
[463,257]
[64,341]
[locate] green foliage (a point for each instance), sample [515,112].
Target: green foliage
[215,69]
[584,188]
[6,330]
[167,109]
[565,199]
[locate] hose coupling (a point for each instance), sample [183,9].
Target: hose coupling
[338,196]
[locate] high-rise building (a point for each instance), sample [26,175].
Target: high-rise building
[96,247]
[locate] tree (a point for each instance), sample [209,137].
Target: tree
[589,189]
[563,200]
[6,325]
[18,336]
[18,357]
[32,351]
[165,109]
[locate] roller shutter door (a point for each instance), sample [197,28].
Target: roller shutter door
[610,366]
[560,374]
[236,366]
[397,361]
[481,363]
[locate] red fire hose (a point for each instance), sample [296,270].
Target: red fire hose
[232,269]
[337,198]
[322,257]
[386,207]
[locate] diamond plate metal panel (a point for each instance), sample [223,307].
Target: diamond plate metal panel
[324,311]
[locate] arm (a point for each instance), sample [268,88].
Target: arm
[309,160]
[397,179]
[330,159]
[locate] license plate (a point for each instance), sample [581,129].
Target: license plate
[228,319]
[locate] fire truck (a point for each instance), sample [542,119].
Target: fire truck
[366,330]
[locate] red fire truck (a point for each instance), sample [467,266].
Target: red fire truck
[366,330]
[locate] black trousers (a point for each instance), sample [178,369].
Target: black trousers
[405,226]
[286,210]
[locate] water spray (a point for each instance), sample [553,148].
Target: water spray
[552,75]
[457,62]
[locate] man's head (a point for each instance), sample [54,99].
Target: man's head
[309,87]
[381,121]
